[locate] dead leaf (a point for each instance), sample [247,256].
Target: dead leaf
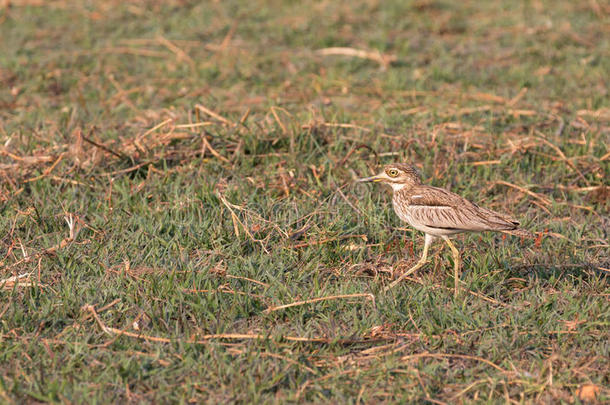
[588,392]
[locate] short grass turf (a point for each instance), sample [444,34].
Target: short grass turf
[204,155]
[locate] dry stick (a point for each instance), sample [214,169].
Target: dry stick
[289,360]
[349,202]
[213,114]
[227,39]
[129,169]
[396,348]
[235,219]
[78,183]
[332,297]
[177,51]
[562,156]
[468,388]
[518,97]
[540,198]
[195,125]
[247,279]
[130,51]
[303,387]
[279,121]
[486,162]
[47,170]
[11,282]
[577,189]
[225,291]
[213,151]
[102,147]
[603,269]
[351,126]
[205,339]
[456,356]
[245,116]
[320,242]
[383,60]
[153,129]
[476,294]
[121,90]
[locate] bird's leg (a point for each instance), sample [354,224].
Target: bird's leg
[427,241]
[456,264]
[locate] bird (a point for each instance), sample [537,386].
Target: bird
[438,213]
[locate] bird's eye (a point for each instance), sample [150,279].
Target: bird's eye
[393,173]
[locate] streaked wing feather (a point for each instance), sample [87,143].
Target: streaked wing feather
[438,208]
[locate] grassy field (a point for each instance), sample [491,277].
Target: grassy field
[174,172]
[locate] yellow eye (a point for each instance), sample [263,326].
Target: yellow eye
[392,173]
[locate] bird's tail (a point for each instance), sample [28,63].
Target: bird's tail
[521,233]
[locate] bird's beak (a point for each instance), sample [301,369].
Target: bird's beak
[375,179]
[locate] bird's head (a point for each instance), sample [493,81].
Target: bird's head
[397,175]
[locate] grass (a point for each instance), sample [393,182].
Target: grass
[187,226]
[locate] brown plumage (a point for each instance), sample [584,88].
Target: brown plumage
[438,212]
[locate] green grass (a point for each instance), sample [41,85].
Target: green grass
[191,231]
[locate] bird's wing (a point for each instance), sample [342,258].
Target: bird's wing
[438,208]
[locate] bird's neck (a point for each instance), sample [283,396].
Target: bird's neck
[396,187]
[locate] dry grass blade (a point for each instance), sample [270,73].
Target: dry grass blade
[207,146]
[212,114]
[486,162]
[474,293]
[383,60]
[453,356]
[236,221]
[153,129]
[224,291]
[247,279]
[205,339]
[288,360]
[22,280]
[177,51]
[538,197]
[562,156]
[311,301]
[326,240]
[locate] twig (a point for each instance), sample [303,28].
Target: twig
[279,121]
[176,50]
[47,170]
[247,279]
[330,124]
[236,220]
[332,297]
[456,356]
[104,148]
[486,162]
[153,129]
[476,294]
[205,339]
[9,283]
[383,60]
[129,169]
[562,156]
[213,151]
[540,198]
[322,241]
[213,114]
[225,291]
[350,203]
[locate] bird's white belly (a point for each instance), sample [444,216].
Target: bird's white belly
[405,215]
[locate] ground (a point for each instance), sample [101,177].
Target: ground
[174,173]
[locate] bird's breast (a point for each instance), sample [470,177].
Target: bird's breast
[401,207]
